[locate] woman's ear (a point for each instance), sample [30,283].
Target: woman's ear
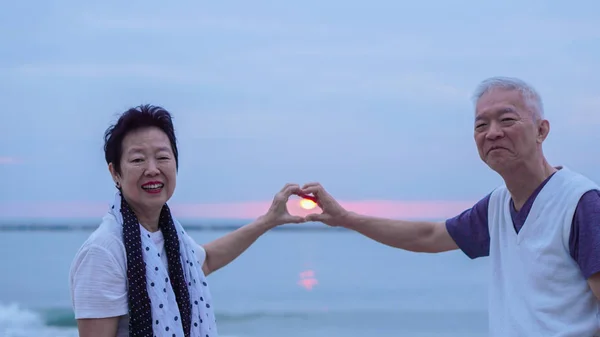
[115,175]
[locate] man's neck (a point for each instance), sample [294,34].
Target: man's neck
[522,182]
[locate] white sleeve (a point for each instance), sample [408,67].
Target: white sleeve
[198,250]
[98,284]
[201,254]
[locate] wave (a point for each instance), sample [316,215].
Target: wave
[14,318]
[61,317]
[19,322]
[16,321]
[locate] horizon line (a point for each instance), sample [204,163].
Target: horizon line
[407,209]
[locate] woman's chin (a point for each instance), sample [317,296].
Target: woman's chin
[151,200]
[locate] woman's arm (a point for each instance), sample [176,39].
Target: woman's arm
[98,327]
[98,290]
[227,248]
[223,250]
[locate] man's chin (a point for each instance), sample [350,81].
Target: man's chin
[500,166]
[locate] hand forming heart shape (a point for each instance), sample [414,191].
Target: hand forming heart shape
[333,214]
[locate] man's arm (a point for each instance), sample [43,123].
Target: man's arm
[415,236]
[223,250]
[468,231]
[584,242]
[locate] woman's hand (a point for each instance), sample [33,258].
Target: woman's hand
[225,249]
[278,213]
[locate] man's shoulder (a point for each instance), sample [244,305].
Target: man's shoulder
[497,196]
[589,201]
[576,180]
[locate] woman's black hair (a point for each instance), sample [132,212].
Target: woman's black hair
[133,119]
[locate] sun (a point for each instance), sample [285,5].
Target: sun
[307,204]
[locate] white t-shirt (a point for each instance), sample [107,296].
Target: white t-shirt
[98,275]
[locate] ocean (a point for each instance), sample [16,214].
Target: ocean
[318,283]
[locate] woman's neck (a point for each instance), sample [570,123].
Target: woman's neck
[147,218]
[151,226]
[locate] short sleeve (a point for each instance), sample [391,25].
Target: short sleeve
[470,230]
[584,241]
[198,250]
[98,284]
[201,254]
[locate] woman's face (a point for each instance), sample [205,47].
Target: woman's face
[148,169]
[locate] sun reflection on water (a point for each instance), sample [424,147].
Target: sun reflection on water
[308,279]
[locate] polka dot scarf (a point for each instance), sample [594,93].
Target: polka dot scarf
[173,301]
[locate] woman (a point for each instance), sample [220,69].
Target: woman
[139,273]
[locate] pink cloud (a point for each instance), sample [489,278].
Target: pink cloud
[382,208]
[52,209]
[9,160]
[242,210]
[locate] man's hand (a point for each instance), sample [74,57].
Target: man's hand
[278,213]
[333,213]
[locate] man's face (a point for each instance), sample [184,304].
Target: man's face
[507,133]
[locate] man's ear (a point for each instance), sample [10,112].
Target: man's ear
[543,130]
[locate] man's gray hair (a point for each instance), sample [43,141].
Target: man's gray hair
[532,97]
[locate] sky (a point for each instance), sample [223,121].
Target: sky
[372,99]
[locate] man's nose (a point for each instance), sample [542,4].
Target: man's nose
[494,131]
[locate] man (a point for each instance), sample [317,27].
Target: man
[541,229]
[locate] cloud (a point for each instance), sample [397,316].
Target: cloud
[552,30]
[417,19]
[100,70]
[9,160]
[241,210]
[200,24]
[233,125]
[285,125]
[329,59]
[303,79]
[33,210]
